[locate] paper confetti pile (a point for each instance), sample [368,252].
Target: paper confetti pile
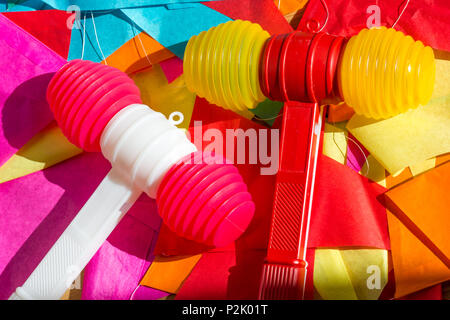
[380,220]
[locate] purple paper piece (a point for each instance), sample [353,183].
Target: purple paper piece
[356,154]
[147,293]
[117,268]
[38,207]
[26,68]
[146,211]
[35,210]
[172,68]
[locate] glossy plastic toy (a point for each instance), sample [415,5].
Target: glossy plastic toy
[379,73]
[199,196]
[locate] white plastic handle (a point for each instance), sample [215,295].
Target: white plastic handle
[80,241]
[141,145]
[144,145]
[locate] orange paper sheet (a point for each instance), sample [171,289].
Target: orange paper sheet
[419,226]
[289,6]
[339,112]
[138,53]
[168,273]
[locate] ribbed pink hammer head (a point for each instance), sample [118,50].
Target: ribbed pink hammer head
[204,199]
[84,96]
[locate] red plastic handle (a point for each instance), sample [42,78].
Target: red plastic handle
[284,271]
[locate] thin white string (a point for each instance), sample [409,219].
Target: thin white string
[142,44]
[143,48]
[328,14]
[134,291]
[96,37]
[366,161]
[401,13]
[84,37]
[264,119]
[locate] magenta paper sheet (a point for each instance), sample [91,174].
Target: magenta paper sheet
[26,68]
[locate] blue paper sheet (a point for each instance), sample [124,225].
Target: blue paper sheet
[90,5]
[113,30]
[27,5]
[172,25]
[175,26]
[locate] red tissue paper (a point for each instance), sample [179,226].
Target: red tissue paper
[51,27]
[425,20]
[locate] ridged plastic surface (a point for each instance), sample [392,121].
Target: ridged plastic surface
[299,66]
[286,216]
[84,96]
[222,64]
[46,278]
[144,145]
[205,199]
[281,282]
[94,106]
[383,73]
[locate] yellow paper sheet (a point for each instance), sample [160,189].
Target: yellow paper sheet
[168,273]
[350,274]
[368,271]
[164,97]
[44,150]
[373,170]
[331,278]
[335,142]
[423,166]
[413,137]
